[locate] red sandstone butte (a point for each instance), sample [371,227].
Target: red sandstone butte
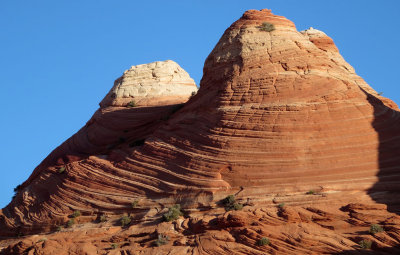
[280,121]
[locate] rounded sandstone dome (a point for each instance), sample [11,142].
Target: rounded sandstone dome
[160,82]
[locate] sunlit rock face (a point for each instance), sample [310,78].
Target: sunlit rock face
[161,82]
[280,119]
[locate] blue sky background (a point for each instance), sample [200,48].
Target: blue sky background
[59,58]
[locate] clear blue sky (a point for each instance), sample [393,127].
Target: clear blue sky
[59,58]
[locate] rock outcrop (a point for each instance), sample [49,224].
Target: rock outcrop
[158,83]
[280,118]
[142,99]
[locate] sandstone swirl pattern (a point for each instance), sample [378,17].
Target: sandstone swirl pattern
[277,112]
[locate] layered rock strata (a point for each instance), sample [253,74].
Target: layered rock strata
[72,173]
[294,230]
[278,114]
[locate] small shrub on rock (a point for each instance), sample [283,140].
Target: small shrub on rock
[70,223]
[135,204]
[310,192]
[375,228]
[131,104]
[103,218]
[365,244]
[281,205]
[237,206]
[173,213]
[76,214]
[161,240]
[61,170]
[263,241]
[114,246]
[230,203]
[125,220]
[268,27]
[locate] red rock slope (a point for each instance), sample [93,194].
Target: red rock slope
[278,114]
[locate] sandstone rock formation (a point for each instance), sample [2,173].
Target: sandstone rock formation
[158,83]
[280,119]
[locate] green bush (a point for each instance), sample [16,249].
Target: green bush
[365,244]
[76,214]
[229,200]
[61,170]
[70,223]
[263,241]
[310,192]
[125,220]
[268,27]
[135,204]
[114,246]
[230,203]
[173,213]
[237,206]
[103,218]
[59,228]
[131,104]
[281,205]
[375,228]
[161,240]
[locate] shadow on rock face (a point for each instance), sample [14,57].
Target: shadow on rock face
[373,251]
[386,123]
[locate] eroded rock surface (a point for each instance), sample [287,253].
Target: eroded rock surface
[280,118]
[158,83]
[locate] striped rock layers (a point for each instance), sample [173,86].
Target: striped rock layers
[277,112]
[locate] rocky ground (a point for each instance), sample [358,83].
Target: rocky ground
[315,223]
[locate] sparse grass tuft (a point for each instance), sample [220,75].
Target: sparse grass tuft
[310,192]
[173,213]
[76,214]
[161,240]
[125,221]
[268,27]
[263,241]
[114,246]
[365,244]
[70,223]
[59,228]
[375,228]
[135,204]
[103,218]
[281,205]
